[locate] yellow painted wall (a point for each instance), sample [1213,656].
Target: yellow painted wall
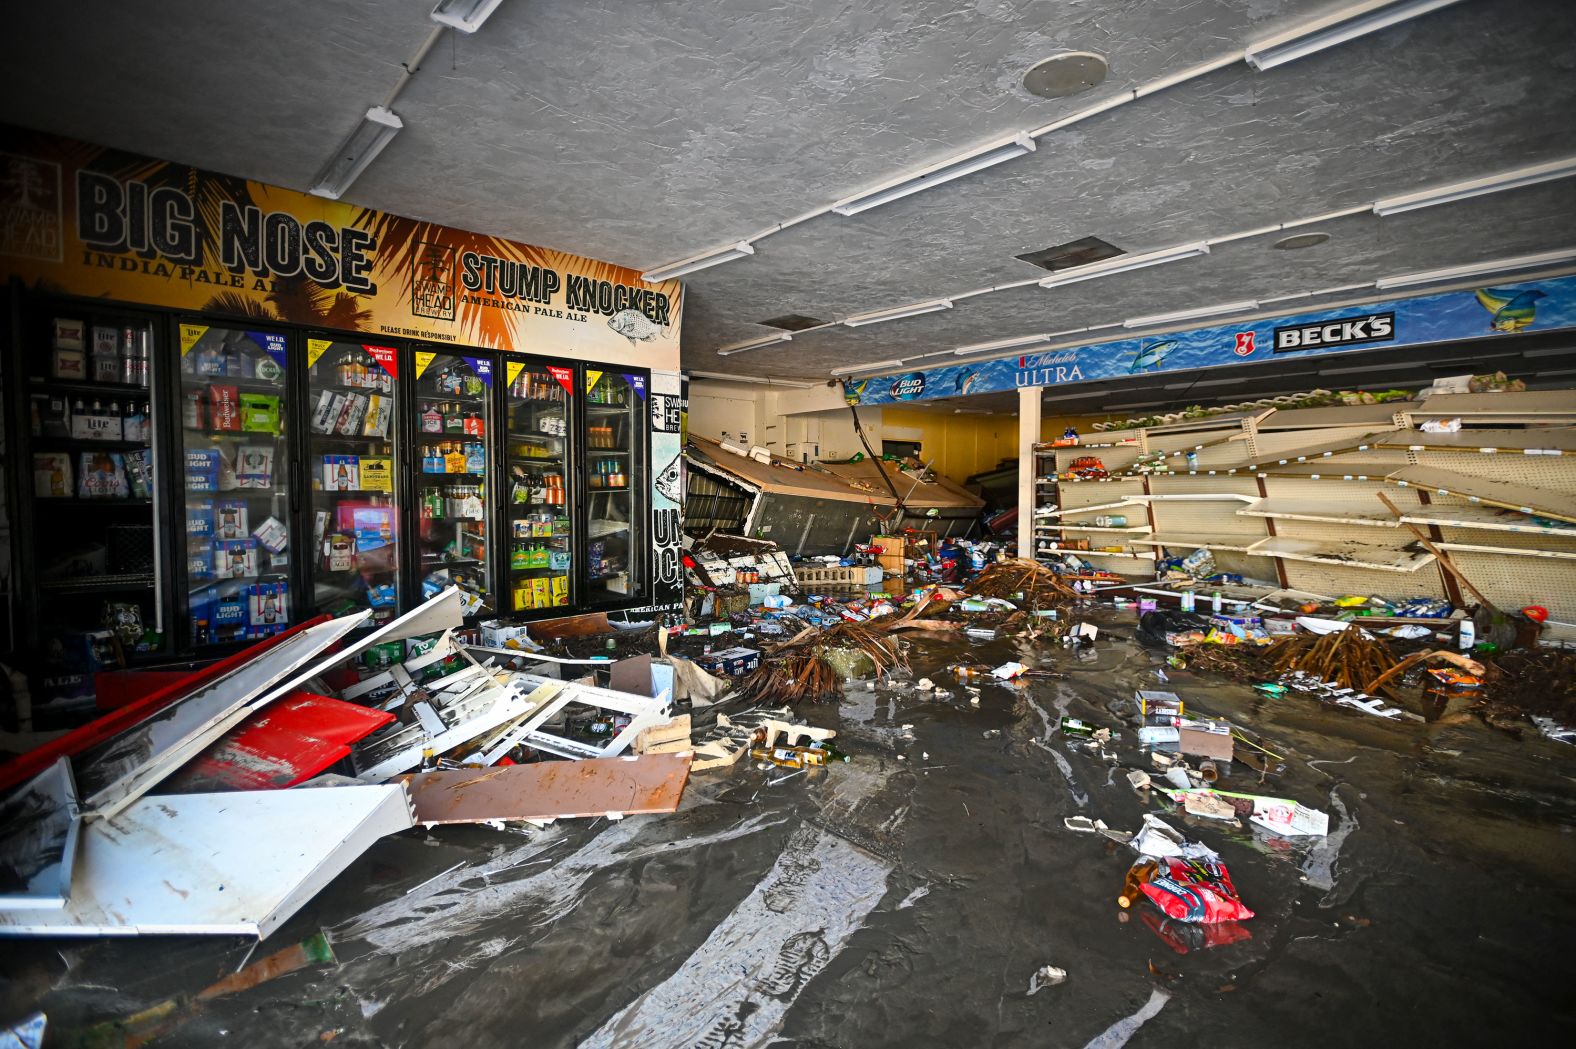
[963,445]
[960,445]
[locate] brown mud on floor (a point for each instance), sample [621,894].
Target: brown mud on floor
[908,902]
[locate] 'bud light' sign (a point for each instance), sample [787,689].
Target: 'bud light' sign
[908,387]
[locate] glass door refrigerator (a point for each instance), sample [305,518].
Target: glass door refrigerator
[617,548]
[539,452]
[233,447]
[353,506]
[453,468]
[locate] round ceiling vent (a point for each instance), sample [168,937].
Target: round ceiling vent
[1302,240]
[1069,73]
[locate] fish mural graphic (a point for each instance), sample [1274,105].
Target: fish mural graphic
[968,381]
[670,482]
[1512,311]
[634,326]
[1151,356]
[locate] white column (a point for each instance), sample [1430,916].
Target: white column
[1028,437]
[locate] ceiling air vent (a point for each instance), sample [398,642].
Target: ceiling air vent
[1073,253]
[792,322]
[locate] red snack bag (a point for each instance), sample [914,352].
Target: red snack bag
[1195,891]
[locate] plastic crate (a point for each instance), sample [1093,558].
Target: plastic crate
[830,576]
[130,548]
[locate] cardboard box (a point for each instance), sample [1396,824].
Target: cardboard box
[377,473]
[498,634]
[224,407]
[730,662]
[254,466]
[102,475]
[87,426]
[199,519]
[202,470]
[260,412]
[380,414]
[341,473]
[52,475]
[326,414]
[70,365]
[70,334]
[230,519]
[235,558]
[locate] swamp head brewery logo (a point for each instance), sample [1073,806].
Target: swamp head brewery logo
[909,387]
[432,282]
[1245,344]
[30,223]
[1350,331]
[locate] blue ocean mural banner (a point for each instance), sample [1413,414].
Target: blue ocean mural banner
[1504,309]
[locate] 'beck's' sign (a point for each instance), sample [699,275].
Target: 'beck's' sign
[1376,327]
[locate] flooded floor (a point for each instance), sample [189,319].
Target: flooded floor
[907,899]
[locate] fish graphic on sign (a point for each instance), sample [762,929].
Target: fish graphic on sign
[966,383]
[1150,356]
[1512,311]
[634,326]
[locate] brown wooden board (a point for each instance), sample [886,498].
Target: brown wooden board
[549,790]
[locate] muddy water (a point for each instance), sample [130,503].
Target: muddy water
[908,898]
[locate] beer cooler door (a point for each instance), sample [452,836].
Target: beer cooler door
[352,450]
[538,452]
[616,543]
[453,466]
[233,450]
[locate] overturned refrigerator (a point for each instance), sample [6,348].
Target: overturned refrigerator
[811,509]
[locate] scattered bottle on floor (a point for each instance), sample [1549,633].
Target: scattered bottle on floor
[1137,875]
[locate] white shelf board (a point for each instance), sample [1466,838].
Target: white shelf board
[1235,543]
[1541,501]
[1537,440]
[1514,551]
[1105,528]
[1194,497]
[1091,509]
[1347,553]
[1133,555]
[1308,510]
[1484,517]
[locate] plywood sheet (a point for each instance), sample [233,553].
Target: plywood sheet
[549,790]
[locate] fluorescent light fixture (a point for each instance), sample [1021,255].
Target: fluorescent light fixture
[1526,176]
[465,15]
[1123,264]
[1349,23]
[946,171]
[877,366]
[913,310]
[756,344]
[705,259]
[1189,315]
[1480,269]
[376,130]
[1002,344]
[725,377]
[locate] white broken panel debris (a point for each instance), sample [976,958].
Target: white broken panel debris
[39,825]
[461,717]
[233,864]
[121,770]
[643,712]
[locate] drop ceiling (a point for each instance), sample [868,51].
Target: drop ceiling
[642,132]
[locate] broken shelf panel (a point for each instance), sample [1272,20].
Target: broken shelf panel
[1485,517]
[1350,553]
[1531,406]
[550,790]
[1544,440]
[236,864]
[1513,551]
[1234,543]
[1314,453]
[1544,502]
[1313,510]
